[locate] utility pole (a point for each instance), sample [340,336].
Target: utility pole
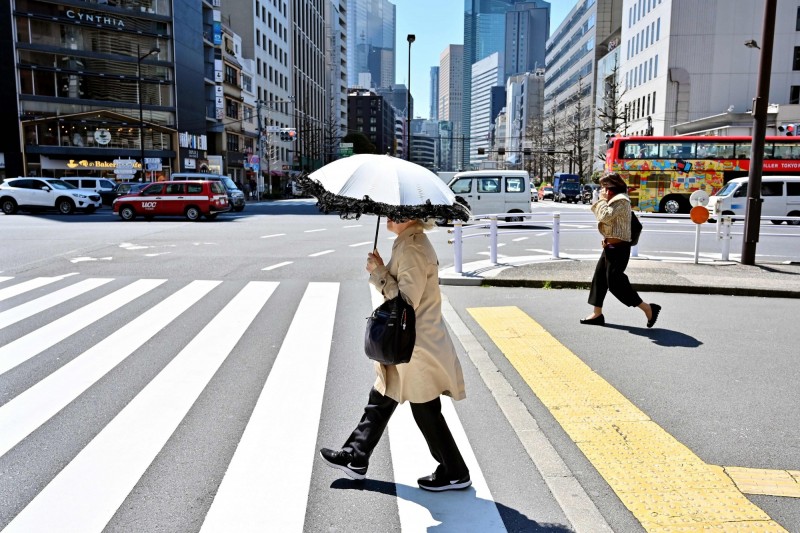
[753,212]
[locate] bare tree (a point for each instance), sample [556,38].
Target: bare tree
[613,116]
[578,132]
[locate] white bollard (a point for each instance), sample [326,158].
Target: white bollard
[493,239]
[726,237]
[556,232]
[457,251]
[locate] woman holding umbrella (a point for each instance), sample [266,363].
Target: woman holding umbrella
[434,369]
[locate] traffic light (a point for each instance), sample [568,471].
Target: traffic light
[288,134]
[790,130]
[481,151]
[501,151]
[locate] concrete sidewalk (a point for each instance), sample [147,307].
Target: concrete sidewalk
[780,280]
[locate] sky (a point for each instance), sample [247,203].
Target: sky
[436,24]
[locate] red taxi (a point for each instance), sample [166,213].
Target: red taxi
[191,199]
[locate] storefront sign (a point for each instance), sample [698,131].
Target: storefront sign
[189,164]
[189,140]
[102,136]
[82,164]
[100,19]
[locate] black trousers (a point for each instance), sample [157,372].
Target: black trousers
[430,421]
[609,275]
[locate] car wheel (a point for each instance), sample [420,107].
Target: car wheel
[514,219]
[65,206]
[776,222]
[126,212]
[793,214]
[671,205]
[192,213]
[9,206]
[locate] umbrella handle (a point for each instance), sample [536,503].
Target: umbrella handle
[377,228]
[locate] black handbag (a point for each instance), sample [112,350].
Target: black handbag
[391,332]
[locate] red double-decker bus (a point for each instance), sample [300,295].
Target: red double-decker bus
[662,172]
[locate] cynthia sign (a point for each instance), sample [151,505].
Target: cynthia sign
[100,19]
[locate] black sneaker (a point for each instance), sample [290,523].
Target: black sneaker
[439,482]
[344,462]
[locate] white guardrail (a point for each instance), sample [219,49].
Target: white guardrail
[498,227]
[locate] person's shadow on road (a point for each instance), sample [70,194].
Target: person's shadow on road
[441,506]
[661,337]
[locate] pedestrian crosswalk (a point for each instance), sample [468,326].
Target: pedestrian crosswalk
[173,349]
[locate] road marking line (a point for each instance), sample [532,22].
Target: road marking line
[784,483]
[473,509]
[353,226]
[273,235]
[25,286]
[85,495]
[656,477]
[359,244]
[32,408]
[249,498]
[21,312]
[314,230]
[35,342]
[579,509]
[519,239]
[5,278]
[317,254]
[278,265]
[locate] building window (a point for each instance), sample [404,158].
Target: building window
[797,20]
[794,94]
[231,109]
[796,61]
[233,143]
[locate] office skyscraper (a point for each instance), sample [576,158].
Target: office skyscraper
[484,34]
[371,29]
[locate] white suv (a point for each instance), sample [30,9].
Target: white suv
[45,193]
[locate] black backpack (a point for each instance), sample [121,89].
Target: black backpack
[636,229]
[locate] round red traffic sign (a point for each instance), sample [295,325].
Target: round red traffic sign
[699,214]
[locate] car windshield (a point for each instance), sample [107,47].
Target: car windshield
[571,187]
[229,184]
[727,189]
[61,185]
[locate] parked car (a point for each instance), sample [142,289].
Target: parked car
[534,193]
[34,194]
[191,199]
[569,192]
[546,193]
[235,195]
[102,186]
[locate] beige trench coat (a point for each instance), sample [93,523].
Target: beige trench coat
[434,369]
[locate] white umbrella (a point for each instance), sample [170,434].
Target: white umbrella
[385,186]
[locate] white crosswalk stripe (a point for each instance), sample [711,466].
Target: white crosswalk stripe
[266,483]
[22,349]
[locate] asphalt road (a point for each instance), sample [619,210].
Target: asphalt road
[717,374]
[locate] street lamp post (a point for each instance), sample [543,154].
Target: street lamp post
[139,59]
[410,38]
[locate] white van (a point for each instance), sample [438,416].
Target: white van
[780,195]
[102,186]
[491,192]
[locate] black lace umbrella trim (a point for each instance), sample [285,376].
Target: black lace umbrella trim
[353,208]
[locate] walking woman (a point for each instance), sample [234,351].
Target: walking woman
[434,369]
[613,213]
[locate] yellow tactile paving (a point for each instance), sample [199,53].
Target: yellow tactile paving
[666,486]
[769,482]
